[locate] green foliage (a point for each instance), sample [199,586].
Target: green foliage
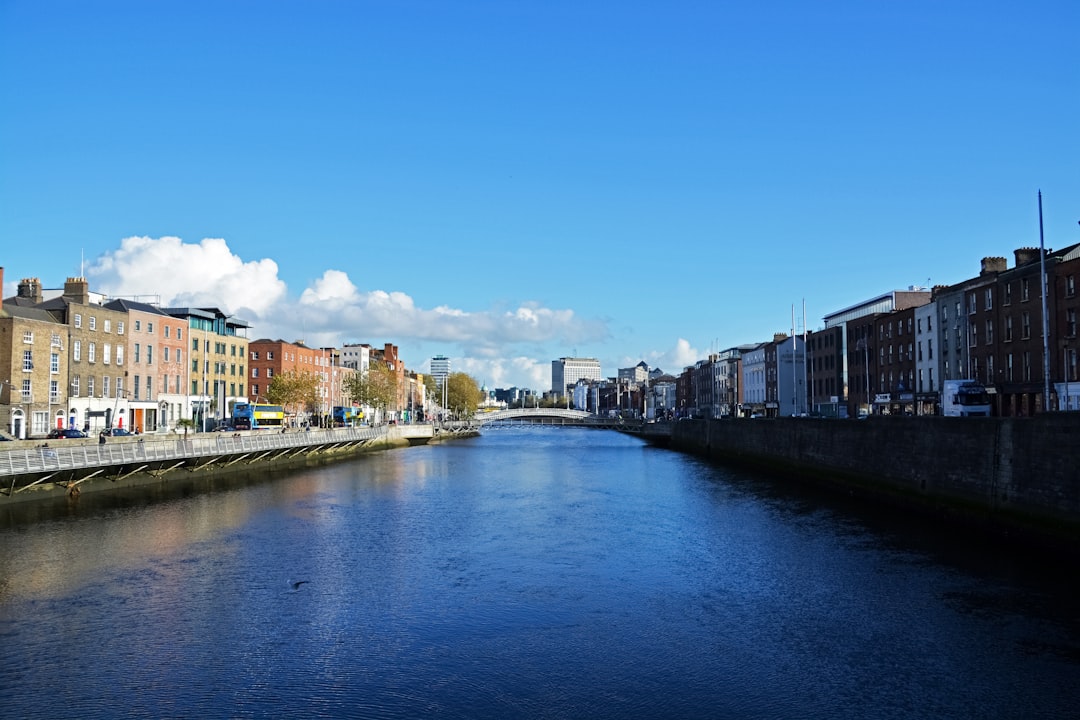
[463,395]
[294,391]
[376,387]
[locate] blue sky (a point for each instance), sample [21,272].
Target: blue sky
[510,182]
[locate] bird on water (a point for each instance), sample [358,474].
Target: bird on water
[296,585]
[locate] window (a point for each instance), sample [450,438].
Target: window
[119,327]
[119,354]
[106,353]
[54,363]
[89,386]
[54,391]
[149,354]
[254,389]
[194,343]
[1070,285]
[1027,366]
[108,325]
[27,391]
[254,354]
[179,359]
[989,332]
[28,337]
[254,372]
[989,299]
[1008,329]
[179,334]
[1070,322]
[138,353]
[1008,293]
[269,355]
[971,303]
[91,352]
[138,325]
[137,387]
[166,330]
[56,340]
[990,368]
[166,349]
[75,386]
[76,351]
[269,372]
[78,321]
[27,360]
[93,323]
[104,386]
[119,387]
[1025,290]
[149,387]
[150,328]
[1025,325]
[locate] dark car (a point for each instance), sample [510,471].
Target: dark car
[62,433]
[118,432]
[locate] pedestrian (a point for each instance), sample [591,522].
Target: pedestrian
[101,438]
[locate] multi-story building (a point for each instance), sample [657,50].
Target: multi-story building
[217,348]
[565,372]
[33,372]
[1064,353]
[826,362]
[269,358]
[927,372]
[791,372]
[753,380]
[94,389]
[156,369]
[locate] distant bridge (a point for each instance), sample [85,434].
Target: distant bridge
[548,416]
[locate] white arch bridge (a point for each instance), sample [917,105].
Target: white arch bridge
[553,416]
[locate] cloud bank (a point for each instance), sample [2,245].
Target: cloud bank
[493,344]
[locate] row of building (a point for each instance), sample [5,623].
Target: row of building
[73,358]
[1013,329]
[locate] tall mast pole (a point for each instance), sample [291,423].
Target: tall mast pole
[1045,314]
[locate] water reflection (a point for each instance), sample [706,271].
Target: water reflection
[528,573]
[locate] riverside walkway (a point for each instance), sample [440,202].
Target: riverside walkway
[70,463]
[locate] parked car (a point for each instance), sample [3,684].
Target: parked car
[62,433]
[119,432]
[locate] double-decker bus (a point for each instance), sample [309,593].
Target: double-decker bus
[249,416]
[347,416]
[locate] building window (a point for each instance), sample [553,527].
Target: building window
[138,325]
[269,372]
[149,387]
[150,328]
[989,299]
[989,332]
[54,391]
[1070,322]
[1025,325]
[1008,294]
[119,354]
[55,340]
[106,353]
[166,353]
[269,355]
[89,386]
[254,372]
[254,354]
[1025,290]
[78,321]
[974,339]
[107,325]
[93,322]
[104,386]
[1070,285]
[136,387]
[28,337]
[119,327]
[76,351]
[27,360]
[1008,329]
[149,354]
[971,303]
[27,391]
[91,352]
[1027,366]
[75,386]
[179,333]
[166,330]
[54,363]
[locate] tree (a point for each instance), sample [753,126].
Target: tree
[298,390]
[375,387]
[463,395]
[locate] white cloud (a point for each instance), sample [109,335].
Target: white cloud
[333,310]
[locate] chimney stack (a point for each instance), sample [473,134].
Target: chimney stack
[993,265]
[77,290]
[1026,255]
[30,288]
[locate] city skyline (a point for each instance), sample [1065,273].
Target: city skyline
[508,184]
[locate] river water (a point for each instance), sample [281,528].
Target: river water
[529,573]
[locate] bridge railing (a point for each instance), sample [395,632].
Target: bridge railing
[149,449]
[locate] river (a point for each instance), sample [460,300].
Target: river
[528,573]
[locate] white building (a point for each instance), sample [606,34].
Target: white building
[565,372]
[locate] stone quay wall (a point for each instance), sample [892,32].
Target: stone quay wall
[1016,474]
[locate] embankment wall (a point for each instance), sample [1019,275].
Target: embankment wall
[1013,473]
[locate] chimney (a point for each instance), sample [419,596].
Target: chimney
[779,337]
[993,265]
[1026,255]
[30,288]
[77,290]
